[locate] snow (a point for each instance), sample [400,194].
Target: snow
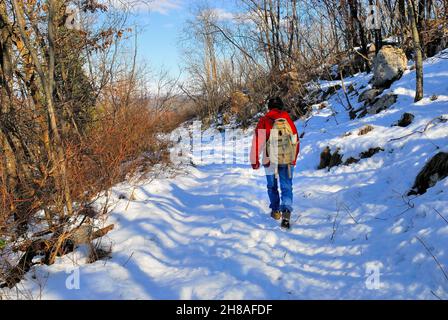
[206,232]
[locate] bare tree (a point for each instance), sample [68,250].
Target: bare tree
[71,115]
[417,50]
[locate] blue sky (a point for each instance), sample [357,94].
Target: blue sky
[161,25]
[158,37]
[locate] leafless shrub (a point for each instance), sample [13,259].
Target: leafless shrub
[75,119]
[365,130]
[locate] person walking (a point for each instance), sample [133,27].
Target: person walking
[277,138]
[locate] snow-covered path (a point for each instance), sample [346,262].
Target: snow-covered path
[206,233]
[209,236]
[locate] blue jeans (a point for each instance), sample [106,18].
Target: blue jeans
[285,186]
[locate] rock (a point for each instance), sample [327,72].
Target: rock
[82,235]
[435,170]
[238,100]
[331,91]
[351,88]
[335,160]
[370,153]
[388,66]
[369,95]
[382,103]
[406,119]
[85,233]
[350,161]
[352,114]
[363,113]
[329,160]
[325,157]
[363,155]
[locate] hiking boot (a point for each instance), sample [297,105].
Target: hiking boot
[276,214]
[285,224]
[286,216]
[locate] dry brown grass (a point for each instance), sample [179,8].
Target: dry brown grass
[118,147]
[123,141]
[365,130]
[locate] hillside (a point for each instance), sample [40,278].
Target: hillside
[205,232]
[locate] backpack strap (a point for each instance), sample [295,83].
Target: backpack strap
[272,119]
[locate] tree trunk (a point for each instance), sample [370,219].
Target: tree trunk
[47,81]
[353,4]
[402,18]
[418,51]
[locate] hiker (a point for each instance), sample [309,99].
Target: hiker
[276,135]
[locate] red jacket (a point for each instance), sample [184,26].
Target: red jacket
[262,132]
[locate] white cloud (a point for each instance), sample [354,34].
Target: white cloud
[164,6]
[159,6]
[223,15]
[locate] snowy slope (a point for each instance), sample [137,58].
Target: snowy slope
[206,233]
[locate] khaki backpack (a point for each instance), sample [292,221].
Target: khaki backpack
[282,144]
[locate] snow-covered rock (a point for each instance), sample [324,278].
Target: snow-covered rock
[384,102]
[369,95]
[389,65]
